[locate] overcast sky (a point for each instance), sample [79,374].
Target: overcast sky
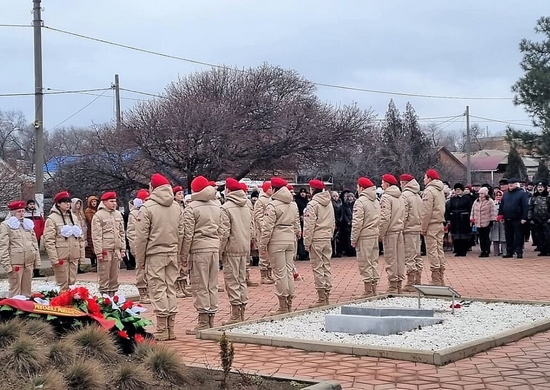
[459,48]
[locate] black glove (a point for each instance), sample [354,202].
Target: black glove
[491,224]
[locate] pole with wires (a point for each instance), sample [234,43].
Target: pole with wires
[117,103]
[38,105]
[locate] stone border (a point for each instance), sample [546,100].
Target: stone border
[437,358]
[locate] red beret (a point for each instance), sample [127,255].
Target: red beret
[61,196]
[212,184]
[432,174]
[108,195]
[17,205]
[389,179]
[406,177]
[232,184]
[142,194]
[317,184]
[244,187]
[199,183]
[266,186]
[364,182]
[177,189]
[278,182]
[290,187]
[158,180]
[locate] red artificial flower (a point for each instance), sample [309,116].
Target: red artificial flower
[37,295]
[139,305]
[457,306]
[104,253]
[115,298]
[81,293]
[107,301]
[63,299]
[93,307]
[60,262]
[139,338]
[123,334]
[127,305]
[16,268]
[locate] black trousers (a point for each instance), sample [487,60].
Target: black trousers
[484,239]
[461,246]
[514,237]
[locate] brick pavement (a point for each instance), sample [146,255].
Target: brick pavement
[521,365]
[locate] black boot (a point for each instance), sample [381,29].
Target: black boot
[36,273]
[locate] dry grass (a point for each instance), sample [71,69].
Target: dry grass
[95,343]
[86,375]
[9,331]
[25,356]
[63,353]
[166,365]
[128,376]
[52,380]
[38,329]
[143,350]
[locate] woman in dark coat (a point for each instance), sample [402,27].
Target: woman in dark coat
[457,215]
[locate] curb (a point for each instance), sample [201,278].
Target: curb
[328,385]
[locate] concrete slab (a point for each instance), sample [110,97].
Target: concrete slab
[385,326]
[386,311]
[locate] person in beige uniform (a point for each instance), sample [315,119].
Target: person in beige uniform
[18,250]
[249,282]
[411,231]
[235,231]
[319,223]
[364,234]
[133,218]
[278,240]
[108,241]
[433,217]
[159,246]
[183,273]
[266,276]
[201,246]
[392,216]
[64,241]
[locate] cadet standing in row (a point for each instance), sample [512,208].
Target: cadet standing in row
[160,228]
[392,213]
[319,224]
[365,233]
[133,218]
[266,276]
[235,232]
[109,243]
[18,250]
[64,241]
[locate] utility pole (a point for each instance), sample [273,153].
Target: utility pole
[38,105]
[468,153]
[117,102]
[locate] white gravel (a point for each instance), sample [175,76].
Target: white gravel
[469,323]
[128,290]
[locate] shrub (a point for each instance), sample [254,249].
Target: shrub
[63,353]
[95,342]
[143,350]
[38,329]
[85,375]
[166,365]
[25,356]
[131,377]
[9,331]
[52,380]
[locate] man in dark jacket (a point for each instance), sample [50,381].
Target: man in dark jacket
[538,216]
[513,212]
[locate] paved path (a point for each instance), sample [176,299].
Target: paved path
[521,365]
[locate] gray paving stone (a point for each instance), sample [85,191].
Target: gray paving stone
[358,324]
[386,311]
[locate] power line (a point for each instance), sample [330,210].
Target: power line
[15,25]
[500,121]
[94,94]
[240,70]
[82,109]
[141,93]
[55,92]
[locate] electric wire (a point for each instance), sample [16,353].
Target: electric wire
[80,110]
[500,121]
[54,92]
[129,47]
